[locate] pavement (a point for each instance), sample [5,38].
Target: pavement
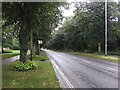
[11,59]
[75,71]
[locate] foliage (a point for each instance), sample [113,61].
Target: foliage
[15,47]
[38,18]
[24,66]
[113,53]
[9,35]
[86,29]
[8,51]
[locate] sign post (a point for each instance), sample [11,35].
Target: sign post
[39,42]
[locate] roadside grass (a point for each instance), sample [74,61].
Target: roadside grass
[8,55]
[100,56]
[42,56]
[11,54]
[16,51]
[95,55]
[41,77]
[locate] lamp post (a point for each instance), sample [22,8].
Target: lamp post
[105,27]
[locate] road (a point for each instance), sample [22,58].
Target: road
[85,72]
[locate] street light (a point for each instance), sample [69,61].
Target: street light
[105,27]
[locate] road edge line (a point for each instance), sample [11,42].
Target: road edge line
[61,73]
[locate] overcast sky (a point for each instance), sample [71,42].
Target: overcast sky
[69,12]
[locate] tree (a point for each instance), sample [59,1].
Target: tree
[8,34]
[27,16]
[85,31]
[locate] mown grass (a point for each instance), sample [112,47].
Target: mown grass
[101,56]
[41,77]
[11,54]
[42,56]
[95,55]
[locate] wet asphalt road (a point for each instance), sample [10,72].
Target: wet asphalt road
[86,72]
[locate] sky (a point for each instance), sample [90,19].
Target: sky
[66,13]
[69,12]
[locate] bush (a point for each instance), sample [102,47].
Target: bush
[99,53]
[8,51]
[24,66]
[113,52]
[86,51]
[16,47]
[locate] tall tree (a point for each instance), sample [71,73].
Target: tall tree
[85,31]
[28,16]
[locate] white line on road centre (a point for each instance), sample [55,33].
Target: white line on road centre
[113,69]
[74,58]
[87,61]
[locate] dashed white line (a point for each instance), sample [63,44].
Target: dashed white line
[113,69]
[74,58]
[87,61]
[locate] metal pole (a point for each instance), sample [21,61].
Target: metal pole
[105,27]
[31,44]
[38,48]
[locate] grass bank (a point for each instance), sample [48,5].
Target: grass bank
[95,55]
[41,77]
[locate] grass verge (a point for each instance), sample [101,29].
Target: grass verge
[41,77]
[42,56]
[94,55]
[7,55]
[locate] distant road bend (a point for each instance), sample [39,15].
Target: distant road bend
[86,72]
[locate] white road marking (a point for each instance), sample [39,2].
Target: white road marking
[86,61]
[63,75]
[74,58]
[112,69]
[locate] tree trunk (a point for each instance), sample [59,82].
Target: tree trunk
[23,40]
[37,49]
[34,49]
[23,54]
[24,33]
[2,50]
[31,45]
